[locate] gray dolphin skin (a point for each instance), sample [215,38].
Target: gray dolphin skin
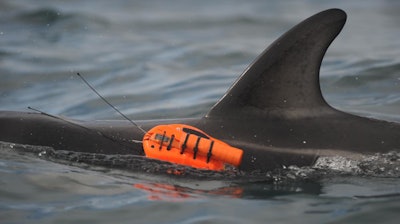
[275,112]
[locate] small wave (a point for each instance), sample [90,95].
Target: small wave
[43,16]
[380,74]
[50,16]
[132,163]
[52,25]
[377,165]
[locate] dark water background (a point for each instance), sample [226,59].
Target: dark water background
[164,59]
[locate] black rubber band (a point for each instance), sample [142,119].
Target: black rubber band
[170,142]
[162,141]
[184,143]
[196,147]
[209,154]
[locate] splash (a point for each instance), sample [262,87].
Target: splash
[132,163]
[377,165]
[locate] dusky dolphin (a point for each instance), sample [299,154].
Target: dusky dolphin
[275,112]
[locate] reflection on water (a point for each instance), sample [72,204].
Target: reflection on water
[162,192]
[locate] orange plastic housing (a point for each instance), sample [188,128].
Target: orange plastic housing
[189,146]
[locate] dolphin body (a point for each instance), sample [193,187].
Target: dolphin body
[275,112]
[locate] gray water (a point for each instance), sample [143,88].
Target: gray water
[167,59]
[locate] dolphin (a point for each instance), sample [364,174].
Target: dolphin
[274,112]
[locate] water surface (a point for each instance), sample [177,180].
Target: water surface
[165,59]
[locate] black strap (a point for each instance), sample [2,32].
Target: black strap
[170,142]
[184,143]
[162,140]
[196,147]
[209,154]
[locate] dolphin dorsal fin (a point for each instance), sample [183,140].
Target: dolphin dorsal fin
[284,79]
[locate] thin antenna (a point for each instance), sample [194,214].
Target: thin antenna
[34,109]
[98,132]
[98,94]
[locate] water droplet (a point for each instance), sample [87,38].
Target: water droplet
[42,153]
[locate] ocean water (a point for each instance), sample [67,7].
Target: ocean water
[168,59]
